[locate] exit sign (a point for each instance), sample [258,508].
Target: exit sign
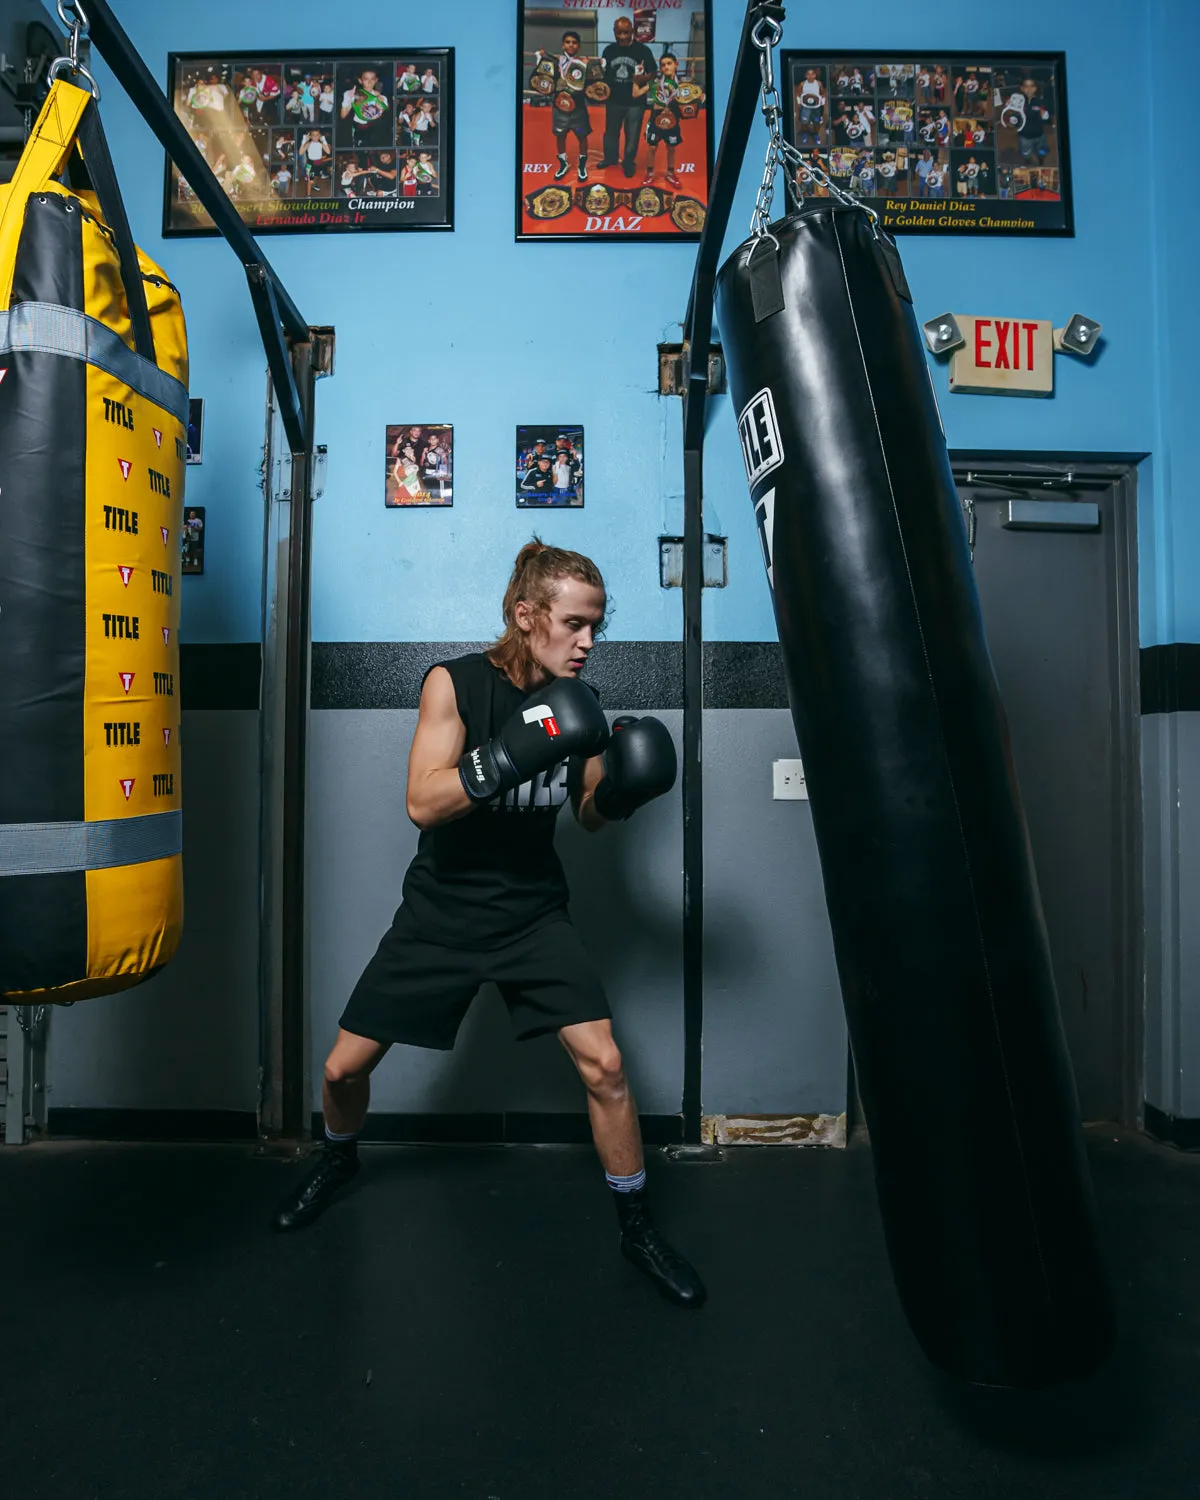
[1004,357]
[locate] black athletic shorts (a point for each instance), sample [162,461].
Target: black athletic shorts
[417,993]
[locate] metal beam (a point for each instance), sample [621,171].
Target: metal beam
[735,133]
[279,360]
[296,1109]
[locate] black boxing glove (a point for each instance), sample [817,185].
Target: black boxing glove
[559,720]
[639,765]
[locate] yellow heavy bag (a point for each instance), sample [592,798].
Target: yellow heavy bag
[93,424]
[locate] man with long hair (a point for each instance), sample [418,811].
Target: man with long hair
[503,739]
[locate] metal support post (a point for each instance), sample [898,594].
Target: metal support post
[697,337]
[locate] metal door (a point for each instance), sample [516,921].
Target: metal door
[1057,594]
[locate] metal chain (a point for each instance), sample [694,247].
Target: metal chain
[30,1028]
[766,37]
[797,167]
[73,16]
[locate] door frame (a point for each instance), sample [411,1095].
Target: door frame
[1116,475]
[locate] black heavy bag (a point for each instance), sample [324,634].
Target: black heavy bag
[941,945]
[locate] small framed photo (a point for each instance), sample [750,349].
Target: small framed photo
[195,430]
[550,466]
[191,539]
[420,464]
[614,129]
[936,142]
[313,142]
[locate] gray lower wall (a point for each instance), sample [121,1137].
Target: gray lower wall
[188,1038]
[1171,799]
[774,1031]
[774,1039]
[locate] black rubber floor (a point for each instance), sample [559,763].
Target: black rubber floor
[461,1325]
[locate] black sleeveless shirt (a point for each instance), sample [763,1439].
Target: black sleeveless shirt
[485,878]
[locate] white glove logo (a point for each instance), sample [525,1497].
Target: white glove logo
[542,714]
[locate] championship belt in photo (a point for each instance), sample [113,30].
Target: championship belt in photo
[598,91]
[574,75]
[887,169]
[548,202]
[1013,114]
[368,106]
[855,130]
[564,102]
[689,97]
[597,199]
[649,202]
[248,94]
[809,101]
[688,215]
[542,79]
[665,119]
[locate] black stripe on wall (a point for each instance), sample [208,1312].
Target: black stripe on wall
[629,674]
[1173,1130]
[510,1129]
[220,676]
[1171,678]
[394,1129]
[152,1124]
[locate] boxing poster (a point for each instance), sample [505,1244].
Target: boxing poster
[195,430]
[420,464]
[191,540]
[936,142]
[614,126]
[311,142]
[549,467]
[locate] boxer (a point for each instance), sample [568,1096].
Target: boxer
[503,739]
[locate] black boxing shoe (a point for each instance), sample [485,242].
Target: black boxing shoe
[642,1245]
[563,169]
[331,1170]
[581,170]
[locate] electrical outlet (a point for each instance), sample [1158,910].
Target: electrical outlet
[788,779]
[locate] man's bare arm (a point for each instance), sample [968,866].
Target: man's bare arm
[435,793]
[583,792]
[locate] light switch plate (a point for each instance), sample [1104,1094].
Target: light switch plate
[788,781]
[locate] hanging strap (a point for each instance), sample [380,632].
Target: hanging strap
[98,162]
[43,159]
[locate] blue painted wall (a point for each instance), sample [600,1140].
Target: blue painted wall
[439,327]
